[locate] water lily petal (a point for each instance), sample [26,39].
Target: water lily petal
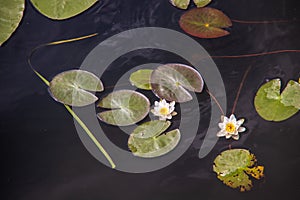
[236,137]
[241,129]
[221,133]
[221,125]
[240,121]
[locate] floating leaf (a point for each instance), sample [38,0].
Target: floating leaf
[71,87]
[201,3]
[62,9]
[141,79]
[128,107]
[151,129]
[269,102]
[146,141]
[291,95]
[205,23]
[11,13]
[171,82]
[183,4]
[233,167]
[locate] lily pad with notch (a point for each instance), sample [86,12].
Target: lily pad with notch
[182,4]
[127,107]
[72,87]
[141,79]
[174,81]
[62,9]
[273,106]
[205,23]
[234,166]
[147,140]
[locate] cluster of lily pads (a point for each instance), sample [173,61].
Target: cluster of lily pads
[170,82]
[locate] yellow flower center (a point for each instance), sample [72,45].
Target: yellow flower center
[230,127]
[164,111]
[206,25]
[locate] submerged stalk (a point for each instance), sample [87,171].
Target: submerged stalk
[74,115]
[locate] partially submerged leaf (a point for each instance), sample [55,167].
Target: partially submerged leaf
[141,79]
[273,106]
[205,22]
[233,167]
[201,3]
[62,9]
[71,87]
[151,129]
[11,13]
[183,4]
[152,144]
[128,107]
[171,82]
[291,94]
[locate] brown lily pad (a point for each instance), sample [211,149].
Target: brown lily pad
[205,23]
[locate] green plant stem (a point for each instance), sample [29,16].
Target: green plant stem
[80,122]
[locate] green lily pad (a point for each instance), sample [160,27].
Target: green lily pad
[291,94]
[147,141]
[182,4]
[141,79]
[11,13]
[172,82]
[128,107]
[233,167]
[201,3]
[71,87]
[150,129]
[273,106]
[62,9]
[205,23]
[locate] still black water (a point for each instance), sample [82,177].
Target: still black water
[42,155]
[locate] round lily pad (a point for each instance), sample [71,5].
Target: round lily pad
[62,9]
[205,22]
[174,81]
[72,87]
[11,13]
[233,167]
[273,106]
[155,145]
[128,107]
[201,3]
[141,79]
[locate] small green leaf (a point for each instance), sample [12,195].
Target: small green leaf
[11,13]
[71,87]
[201,3]
[62,9]
[182,4]
[153,144]
[268,101]
[171,82]
[128,107]
[141,79]
[151,129]
[291,95]
[205,23]
[233,167]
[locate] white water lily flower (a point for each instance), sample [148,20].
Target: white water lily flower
[230,127]
[164,110]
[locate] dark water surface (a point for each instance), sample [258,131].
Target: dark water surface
[43,157]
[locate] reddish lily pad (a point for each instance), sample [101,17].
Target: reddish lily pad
[174,81]
[205,23]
